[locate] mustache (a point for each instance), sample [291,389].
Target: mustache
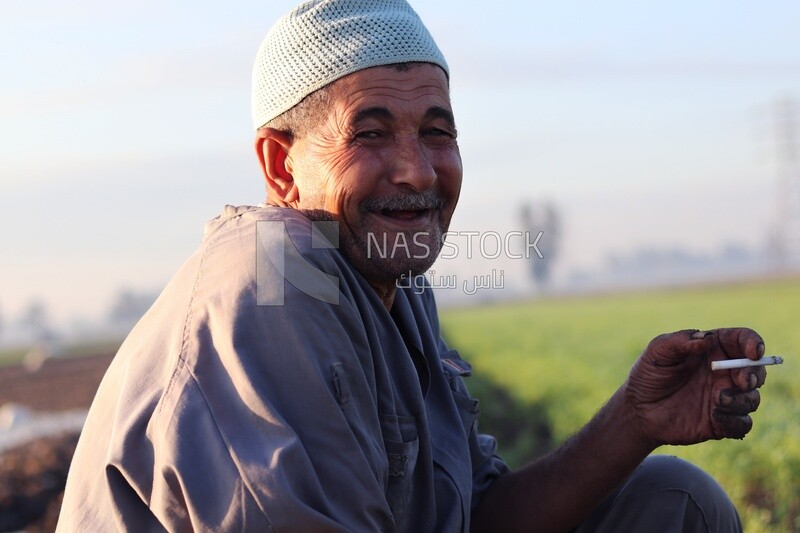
[417,201]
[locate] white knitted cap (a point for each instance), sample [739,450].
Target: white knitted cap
[321,41]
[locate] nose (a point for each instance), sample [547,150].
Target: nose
[412,165]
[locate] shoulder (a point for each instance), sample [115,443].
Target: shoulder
[245,234]
[270,253]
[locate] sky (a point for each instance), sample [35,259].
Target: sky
[126,125]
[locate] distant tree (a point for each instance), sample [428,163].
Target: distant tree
[544,218]
[37,319]
[129,306]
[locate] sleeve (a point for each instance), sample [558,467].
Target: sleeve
[196,485]
[287,392]
[237,416]
[268,396]
[253,439]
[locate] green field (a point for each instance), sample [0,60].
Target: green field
[542,368]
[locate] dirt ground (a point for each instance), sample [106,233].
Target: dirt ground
[58,385]
[33,475]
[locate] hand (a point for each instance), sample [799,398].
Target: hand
[678,399]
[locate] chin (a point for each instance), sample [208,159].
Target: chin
[391,269]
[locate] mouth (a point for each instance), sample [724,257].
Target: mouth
[405,215]
[407,219]
[406,212]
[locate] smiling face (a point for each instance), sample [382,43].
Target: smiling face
[385,164]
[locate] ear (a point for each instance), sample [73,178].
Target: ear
[272,148]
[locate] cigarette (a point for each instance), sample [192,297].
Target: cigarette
[741,363]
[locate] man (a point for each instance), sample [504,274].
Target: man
[284,381]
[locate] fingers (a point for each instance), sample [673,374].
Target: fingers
[730,417]
[736,402]
[740,342]
[670,349]
[677,364]
[749,378]
[731,426]
[736,343]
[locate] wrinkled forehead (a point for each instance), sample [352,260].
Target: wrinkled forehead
[419,85]
[390,94]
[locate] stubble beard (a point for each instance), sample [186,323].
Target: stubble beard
[389,263]
[387,256]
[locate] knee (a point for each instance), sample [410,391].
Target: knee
[665,472]
[706,502]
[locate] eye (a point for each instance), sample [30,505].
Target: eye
[437,132]
[369,134]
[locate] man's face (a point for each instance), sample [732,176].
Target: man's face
[385,164]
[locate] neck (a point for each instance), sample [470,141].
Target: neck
[386,293]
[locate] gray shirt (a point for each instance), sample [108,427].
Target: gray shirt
[221,414]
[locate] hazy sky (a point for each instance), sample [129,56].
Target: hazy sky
[126,125]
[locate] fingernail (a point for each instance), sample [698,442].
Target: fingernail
[725,399]
[760,349]
[752,381]
[701,334]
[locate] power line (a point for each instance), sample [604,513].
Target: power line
[786,246]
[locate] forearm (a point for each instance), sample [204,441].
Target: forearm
[557,491]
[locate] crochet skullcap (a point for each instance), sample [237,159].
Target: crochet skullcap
[321,41]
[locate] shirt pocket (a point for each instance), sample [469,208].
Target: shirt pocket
[455,369]
[401,440]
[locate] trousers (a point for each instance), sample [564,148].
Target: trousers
[665,494]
